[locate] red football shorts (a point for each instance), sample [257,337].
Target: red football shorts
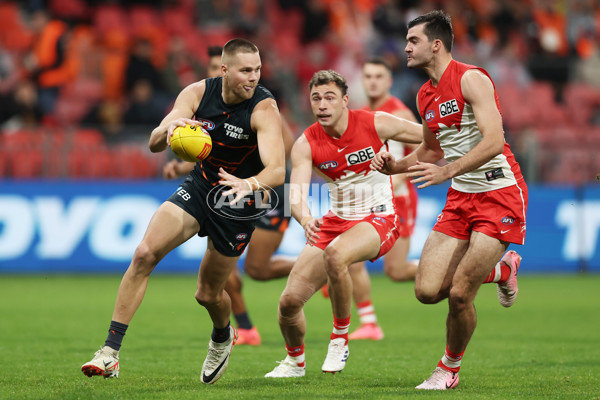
[406,209]
[500,214]
[333,226]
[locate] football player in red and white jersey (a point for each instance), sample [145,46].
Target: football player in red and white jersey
[362,222]
[377,83]
[486,205]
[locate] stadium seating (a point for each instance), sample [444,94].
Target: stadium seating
[177,21]
[23,154]
[565,120]
[13,33]
[68,8]
[109,17]
[74,153]
[143,17]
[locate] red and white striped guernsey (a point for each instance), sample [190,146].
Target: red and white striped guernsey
[354,189]
[451,119]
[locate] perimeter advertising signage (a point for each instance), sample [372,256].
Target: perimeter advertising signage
[94,227]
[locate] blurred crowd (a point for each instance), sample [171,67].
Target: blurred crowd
[71,70]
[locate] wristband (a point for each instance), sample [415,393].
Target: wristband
[305,220]
[257,184]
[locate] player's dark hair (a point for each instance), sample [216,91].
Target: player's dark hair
[330,76]
[438,25]
[214,51]
[238,45]
[380,61]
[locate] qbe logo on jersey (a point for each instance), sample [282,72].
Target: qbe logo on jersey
[360,156]
[448,108]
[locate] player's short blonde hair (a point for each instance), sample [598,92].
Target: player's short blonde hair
[236,46]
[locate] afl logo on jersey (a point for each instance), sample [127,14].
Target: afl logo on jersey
[206,124]
[328,165]
[507,220]
[429,115]
[241,236]
[378,220]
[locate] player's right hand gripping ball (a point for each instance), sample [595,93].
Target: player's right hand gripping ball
[191,143]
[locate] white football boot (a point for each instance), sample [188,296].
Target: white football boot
[337,354]
[440,380]
[217,358]
[105,363]
[287,368]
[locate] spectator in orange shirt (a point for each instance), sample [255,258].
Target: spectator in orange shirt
[49,63]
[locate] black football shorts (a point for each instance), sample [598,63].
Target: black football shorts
[229,229]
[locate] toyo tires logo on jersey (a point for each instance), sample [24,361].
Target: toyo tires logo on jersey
[206,124]
[251,207]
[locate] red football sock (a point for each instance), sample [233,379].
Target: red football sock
[451,361]
[499,274]
[340,328]
[505,273]
[297,353]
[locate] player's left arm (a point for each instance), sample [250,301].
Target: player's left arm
[390,127]
[407,114]
[266,121]
[428,151]
[478,91]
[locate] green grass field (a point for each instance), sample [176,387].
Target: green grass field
[547,346]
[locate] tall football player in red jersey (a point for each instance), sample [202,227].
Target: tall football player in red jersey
[486,205]
[361,225]
[377,83]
